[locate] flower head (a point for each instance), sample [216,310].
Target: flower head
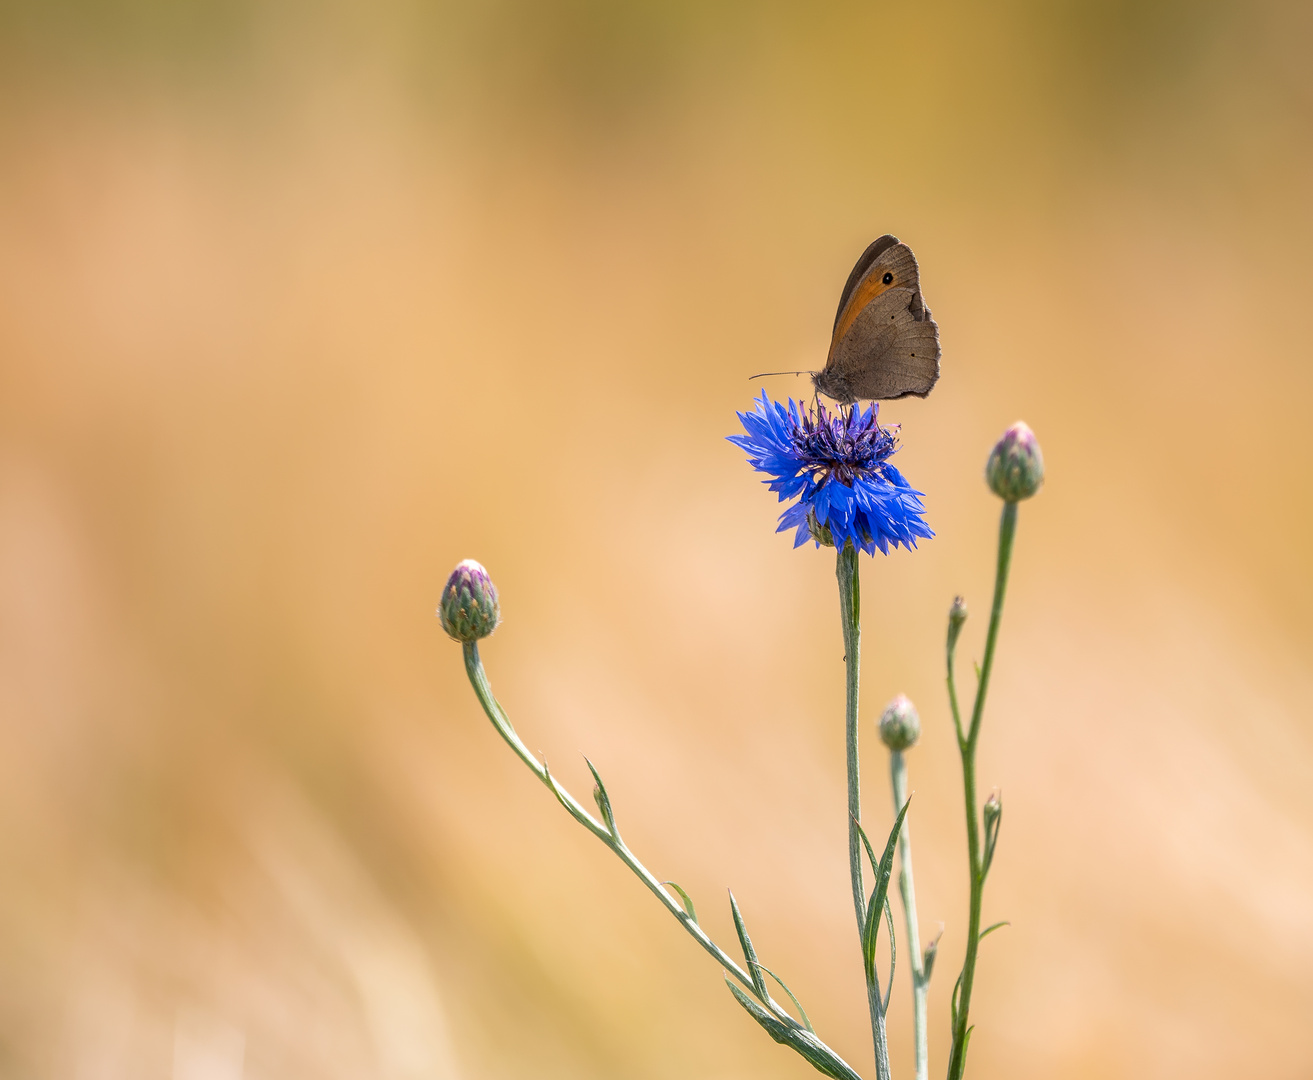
[1015,469]
[900,724]
[469,609]
[835,465]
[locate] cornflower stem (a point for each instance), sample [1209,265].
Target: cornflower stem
[479,679]
[783,1027]
[907,887]
[967,748]
[850,611]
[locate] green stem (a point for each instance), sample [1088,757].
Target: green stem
[967,747]
[811,1047]
[906,885]
[850,611]
[482,689]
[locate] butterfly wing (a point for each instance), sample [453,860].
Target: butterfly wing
[885,343]
[873,251]
[885,351]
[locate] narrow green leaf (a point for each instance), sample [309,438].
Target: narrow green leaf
[990,929]
[882,875]
[749,953]
[869,933]
[886,868]
[556,788]
[603,801]
[870,852]
[776,1029]
[893,953]
[792,996]
[805,1043]
[820,1057]
[966,1043]
[685,899]
[957,989]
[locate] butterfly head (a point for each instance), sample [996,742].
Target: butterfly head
[833,385]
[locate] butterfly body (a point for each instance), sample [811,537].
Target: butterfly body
[885,344]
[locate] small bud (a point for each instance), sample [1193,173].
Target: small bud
[900,726]
[993,809]
[820,533]
[1015,469]
[957,615]
[993,819]
[928,960]
[469,609]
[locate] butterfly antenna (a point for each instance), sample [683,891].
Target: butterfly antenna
[765,374]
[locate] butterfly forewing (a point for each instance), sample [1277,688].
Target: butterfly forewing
[873,251]
[885,343]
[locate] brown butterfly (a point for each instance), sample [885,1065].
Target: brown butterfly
[885,343]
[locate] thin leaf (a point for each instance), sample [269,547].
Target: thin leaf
[603,801]
[775,1028]
[804,1043]
[957,989]
[870,930]
[792,996]
[870,853]
[685,899]
[882,875]
[820,1057]
[749,953]
[869,933]
[556,789]
[990,929]
[893,953]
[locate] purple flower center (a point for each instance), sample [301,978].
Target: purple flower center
[846,447]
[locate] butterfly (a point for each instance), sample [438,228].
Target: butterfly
[885,344]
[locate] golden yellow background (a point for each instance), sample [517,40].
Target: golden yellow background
[302,303]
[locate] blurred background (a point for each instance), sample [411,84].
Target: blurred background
[301,303]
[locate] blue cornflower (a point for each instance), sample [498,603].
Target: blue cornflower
[835,465]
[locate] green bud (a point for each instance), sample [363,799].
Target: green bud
[957,615]
[469,609]
[993,811]
[900,726]
[1015,469]
[820,533]
[928,960]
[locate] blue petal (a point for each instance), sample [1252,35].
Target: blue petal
[793,443]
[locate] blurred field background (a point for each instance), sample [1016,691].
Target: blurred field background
[302,303]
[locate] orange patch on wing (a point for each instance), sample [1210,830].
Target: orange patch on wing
[871,287]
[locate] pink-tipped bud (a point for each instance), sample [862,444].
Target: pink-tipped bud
[1015,469]
[469,609]
[900,725]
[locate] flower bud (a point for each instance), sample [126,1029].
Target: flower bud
[820,533]
[993,813]
[1015,469]
[900,726]
[928,960]
[469,609]
[957,615]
